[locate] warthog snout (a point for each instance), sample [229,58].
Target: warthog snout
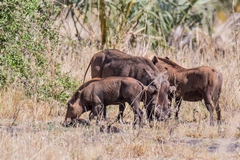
[67,123]
[161,114]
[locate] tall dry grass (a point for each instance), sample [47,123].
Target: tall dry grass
[30,129]
[37,133]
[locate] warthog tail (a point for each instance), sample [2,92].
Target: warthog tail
[87,70]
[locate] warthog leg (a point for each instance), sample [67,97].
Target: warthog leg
[138,116]
[120,114]
[96,111]
[209,105]
[177,107]
[218,110]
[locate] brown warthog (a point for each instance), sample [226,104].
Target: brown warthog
[113,62]
[194,84]
[106,91]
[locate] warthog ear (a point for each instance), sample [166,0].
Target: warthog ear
[79,93]
[154,60]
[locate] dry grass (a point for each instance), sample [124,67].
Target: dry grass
[36,131]
[31,130]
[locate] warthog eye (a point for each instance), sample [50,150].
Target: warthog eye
[69,104]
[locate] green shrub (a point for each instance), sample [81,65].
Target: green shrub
[26,29]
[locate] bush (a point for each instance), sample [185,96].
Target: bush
[27,36]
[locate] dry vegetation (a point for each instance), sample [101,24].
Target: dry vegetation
[36,132]
[30,129]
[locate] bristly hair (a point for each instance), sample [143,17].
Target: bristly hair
[171,63]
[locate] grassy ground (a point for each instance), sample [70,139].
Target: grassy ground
[30,129]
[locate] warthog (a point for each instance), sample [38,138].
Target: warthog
[113,62]
[95,94]
[194,84]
